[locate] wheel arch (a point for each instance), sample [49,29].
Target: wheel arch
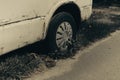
[63,6]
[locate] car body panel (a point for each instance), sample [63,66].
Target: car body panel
[18,10]
[19,34]
[24,22]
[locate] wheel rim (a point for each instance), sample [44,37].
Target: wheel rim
[64,35]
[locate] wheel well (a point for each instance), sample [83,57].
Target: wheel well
[72,9]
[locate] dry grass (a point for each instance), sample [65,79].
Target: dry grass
[20,64]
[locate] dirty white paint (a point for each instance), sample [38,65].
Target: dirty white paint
[85,8]
[20,34]
[16,10]
[23,22]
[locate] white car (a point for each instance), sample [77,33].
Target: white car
[24,22]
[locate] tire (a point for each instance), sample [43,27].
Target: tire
[62,29]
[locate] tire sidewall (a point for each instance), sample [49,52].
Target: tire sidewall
[54,24]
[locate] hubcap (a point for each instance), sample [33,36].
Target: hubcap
[64,35]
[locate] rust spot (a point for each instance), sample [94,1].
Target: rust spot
[24,15]
[20,37]
[1,49]
[18,46]
[43,33]
[38,38]
[26,43]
